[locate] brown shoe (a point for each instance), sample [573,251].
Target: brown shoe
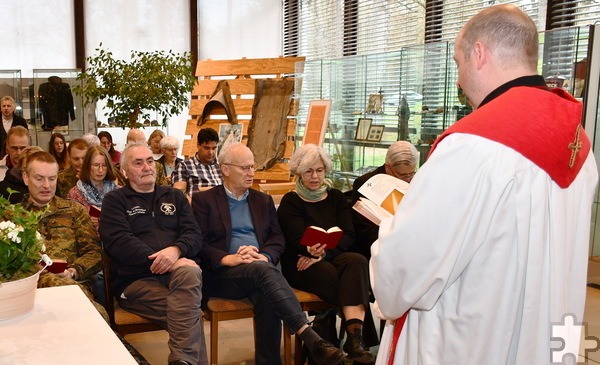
[324,353]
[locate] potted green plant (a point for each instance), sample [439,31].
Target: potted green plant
[155,81]
[21,248]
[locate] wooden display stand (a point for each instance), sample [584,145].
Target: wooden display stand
[241,75]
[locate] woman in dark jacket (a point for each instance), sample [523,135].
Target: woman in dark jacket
[335,274]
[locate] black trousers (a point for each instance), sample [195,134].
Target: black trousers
[273,299]
[342,281]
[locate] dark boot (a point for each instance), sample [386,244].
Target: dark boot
[324,353]
[355,349]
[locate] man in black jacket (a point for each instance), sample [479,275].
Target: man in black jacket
[150,233]
[9,120]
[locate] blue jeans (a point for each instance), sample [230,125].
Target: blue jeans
[273,299]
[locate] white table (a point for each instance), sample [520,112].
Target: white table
[63,328]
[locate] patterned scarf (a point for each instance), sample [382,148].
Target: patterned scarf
[312,195]
[94,196]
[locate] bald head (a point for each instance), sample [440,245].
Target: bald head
[135,136]
[497,45]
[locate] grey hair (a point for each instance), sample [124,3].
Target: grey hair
[402,152]
[169,142]
[91,139]
[226,154]
[306,156]
[129,146]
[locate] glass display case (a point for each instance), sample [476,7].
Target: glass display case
[57,108]
[377,100]
[409,95]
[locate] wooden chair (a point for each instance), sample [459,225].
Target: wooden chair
[277,190]
[219,309]
[308,302]
[122,321]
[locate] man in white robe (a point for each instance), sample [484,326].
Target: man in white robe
[489,246]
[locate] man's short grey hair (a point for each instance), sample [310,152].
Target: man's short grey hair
[169,142]
[91,139]
[129,146]
[308,155]
[226,154]
[402,152]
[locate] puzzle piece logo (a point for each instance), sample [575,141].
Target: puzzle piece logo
[565,341]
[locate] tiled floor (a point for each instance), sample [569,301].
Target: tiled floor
[236,344]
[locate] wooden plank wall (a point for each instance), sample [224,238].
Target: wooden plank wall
[241,75]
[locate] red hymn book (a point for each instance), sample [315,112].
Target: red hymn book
[314,235]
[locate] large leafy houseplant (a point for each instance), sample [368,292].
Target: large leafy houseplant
[21,245]
[155,81]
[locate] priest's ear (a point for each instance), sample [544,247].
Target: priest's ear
[480,54]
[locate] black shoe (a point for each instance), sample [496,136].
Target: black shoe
[324,353]
[356,350]
[179,362]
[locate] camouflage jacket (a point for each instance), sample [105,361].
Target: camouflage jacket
[66,180]
[70,235]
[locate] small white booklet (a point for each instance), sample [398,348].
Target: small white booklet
[382,194]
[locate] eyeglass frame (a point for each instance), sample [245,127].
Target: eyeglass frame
[310,172]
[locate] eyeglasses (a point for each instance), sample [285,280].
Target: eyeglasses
[99,165]
[246,168]
[320,172]
[405,177]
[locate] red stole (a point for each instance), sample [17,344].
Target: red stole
[544,127]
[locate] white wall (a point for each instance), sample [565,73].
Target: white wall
[230,29]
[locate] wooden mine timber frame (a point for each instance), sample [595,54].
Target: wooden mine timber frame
[241,75]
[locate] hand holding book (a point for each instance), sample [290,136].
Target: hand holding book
[314,235]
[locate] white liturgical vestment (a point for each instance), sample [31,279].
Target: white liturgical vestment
[485,251]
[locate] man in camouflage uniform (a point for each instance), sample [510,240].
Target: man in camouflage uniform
[66,226]
[69,176]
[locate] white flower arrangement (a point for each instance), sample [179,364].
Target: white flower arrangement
[21,245]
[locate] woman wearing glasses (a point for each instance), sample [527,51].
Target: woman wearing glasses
[96,178]
[336,275]
[169,146]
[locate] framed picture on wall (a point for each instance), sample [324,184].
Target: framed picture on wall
[229,133]
[362,128]
[375,133]
[316,122]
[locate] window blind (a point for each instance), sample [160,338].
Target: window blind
[446,18]
[567,13]
[326,29]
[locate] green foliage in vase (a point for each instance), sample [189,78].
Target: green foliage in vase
[21,245]
[155,81]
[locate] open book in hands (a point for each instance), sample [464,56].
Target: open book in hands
[382,194]
[330,238]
